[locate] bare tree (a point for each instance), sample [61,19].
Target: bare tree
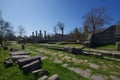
[55,29]
[61,27]
[96,18]
[21,31]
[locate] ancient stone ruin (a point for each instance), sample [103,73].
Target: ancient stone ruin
[110,35]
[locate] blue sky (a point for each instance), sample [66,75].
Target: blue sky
[44,14]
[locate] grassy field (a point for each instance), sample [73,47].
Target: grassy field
[105,67]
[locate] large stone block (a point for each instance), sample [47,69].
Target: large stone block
[118,46]
[54,77]
[19,53]
[16,57]
[31,66]
[22,62]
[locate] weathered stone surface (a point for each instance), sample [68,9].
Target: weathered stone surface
[24,61]
[40,72]
[54,77]
[16,57]
[19,53]
[98,77]
[84,73]
[95,66]
[65,65]
[31,66]
[118,46]
[43,78]
[57,61]
[114,78]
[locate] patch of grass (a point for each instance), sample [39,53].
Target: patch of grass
[64,73]
[13,72]
[105,47]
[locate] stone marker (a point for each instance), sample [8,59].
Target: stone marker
[31,66]
[118,46]
[54,77]
[43,78]
[22,62]
[40,72]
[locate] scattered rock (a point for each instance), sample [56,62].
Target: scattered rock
[65,65]
[84,73]
[40,72]
[57,61]
[95,66]
[43,78]
[98,77]
[114,78]
[54,77]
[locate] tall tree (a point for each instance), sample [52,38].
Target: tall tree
[55,29]
[61,27]
[96,18]
[21,31]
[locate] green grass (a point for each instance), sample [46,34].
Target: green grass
[14,73]
[91,59]
[64,73]
[106,47]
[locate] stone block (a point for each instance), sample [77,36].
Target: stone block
[54,77]
[19,53]
[16,57]
[43,78]
[31,66]
[40,72]
[22,62]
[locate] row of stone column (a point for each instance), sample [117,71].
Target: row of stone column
[40,34]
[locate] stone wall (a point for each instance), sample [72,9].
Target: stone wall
[105,37]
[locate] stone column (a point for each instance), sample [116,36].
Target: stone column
[36,33]
[45,35]
[32,34]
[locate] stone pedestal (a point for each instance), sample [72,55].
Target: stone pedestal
[118,46]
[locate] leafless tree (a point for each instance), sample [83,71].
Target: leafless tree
[21,31]
[55,29]
[61,27]
[96,18]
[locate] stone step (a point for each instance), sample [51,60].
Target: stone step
[31,66]
[22,62]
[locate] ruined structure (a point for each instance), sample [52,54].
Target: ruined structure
[109,36]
